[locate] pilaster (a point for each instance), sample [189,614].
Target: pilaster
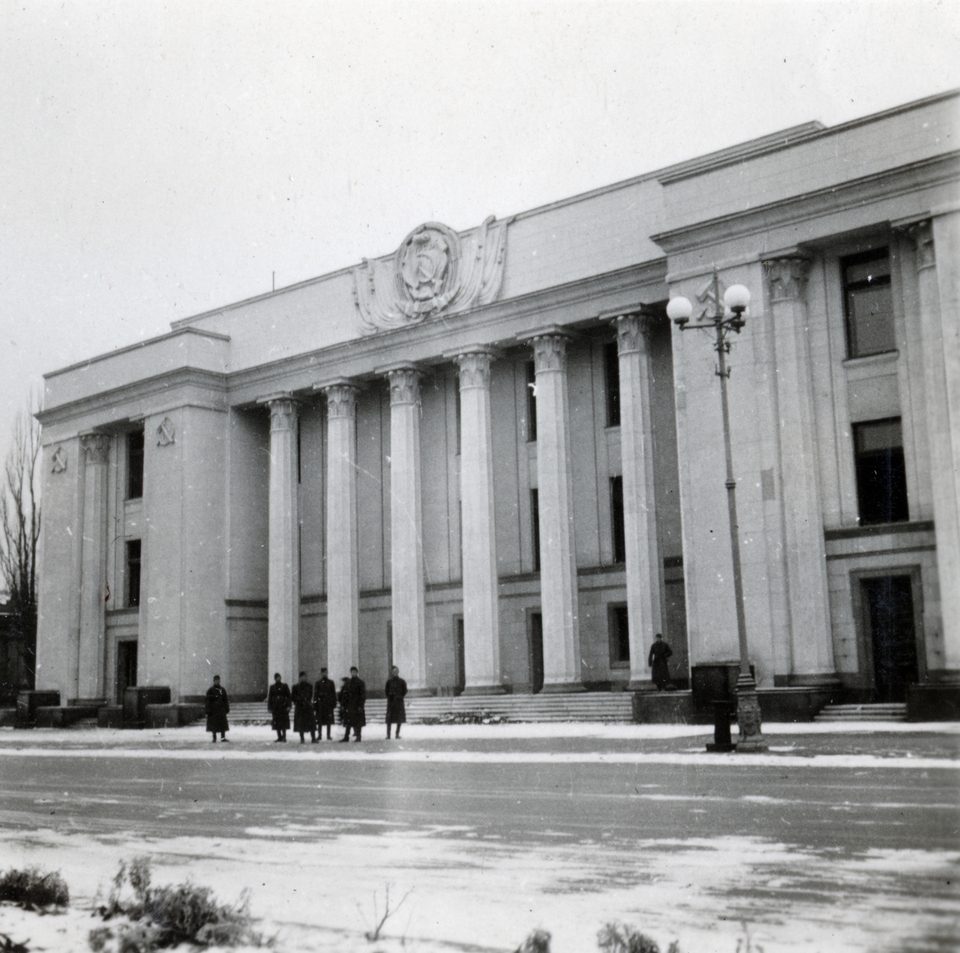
[804,549]
[481,622]
[283,614]
[406,527]
[938,243]
[342,555]
[644,599]
[93,563]
[558,568]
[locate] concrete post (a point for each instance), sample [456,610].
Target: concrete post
[481,622]
[644,603]
[342,555]
[406,527]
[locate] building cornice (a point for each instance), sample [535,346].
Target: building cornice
[856,193]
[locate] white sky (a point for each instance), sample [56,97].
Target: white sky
[161,159]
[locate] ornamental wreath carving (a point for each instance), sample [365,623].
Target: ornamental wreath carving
[432,272]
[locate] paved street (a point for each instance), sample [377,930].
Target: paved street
[831,852]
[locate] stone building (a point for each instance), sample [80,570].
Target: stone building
[490,459]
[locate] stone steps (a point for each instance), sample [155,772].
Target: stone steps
[881,711]
[611,707]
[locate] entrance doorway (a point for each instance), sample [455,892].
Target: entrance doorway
[888,605]
[126,667]
[535,629]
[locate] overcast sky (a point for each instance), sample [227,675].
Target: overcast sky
[162,159]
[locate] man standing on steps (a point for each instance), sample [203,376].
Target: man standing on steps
[278,704]
[325,703]
[396,689]
[659,653]
[353,700]
[303,716]
[218,705]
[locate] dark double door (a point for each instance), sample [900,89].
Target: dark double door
[888,601]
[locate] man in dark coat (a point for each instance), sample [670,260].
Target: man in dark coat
[303,716]
[659,653]
[353,700]
[325,703]
[278,704]
[395,690]
[217,707]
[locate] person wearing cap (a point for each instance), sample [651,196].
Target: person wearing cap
[217,706]
[278,704]
[324,703]
[304,719]
[395,690]
[353,699]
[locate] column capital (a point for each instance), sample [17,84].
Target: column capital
[921,234]
[475,368]
[632,331]
[787,277]
[284,410]
[96,447]
[341,398]
[404,383]
[549,349]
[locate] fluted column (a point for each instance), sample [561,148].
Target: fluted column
[93,566]
[804,548]
[481,622]
[941,349]
[644,605]
[283,615]
[558,566]
[406,527]
[342,555]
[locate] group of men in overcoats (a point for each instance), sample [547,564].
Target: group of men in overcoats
[314,706]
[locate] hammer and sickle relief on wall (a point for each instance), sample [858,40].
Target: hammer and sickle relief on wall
[433,271]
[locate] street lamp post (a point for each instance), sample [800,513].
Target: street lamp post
[728,318]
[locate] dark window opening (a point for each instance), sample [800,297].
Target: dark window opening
[619,636]
[535,526]
[868,303]
[133,573]
[135,465]
[459,660]
[881,474]
[616,520]
[536,652]
[459,423]
[611,362]
[531,401]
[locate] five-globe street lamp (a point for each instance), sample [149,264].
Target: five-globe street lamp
[728,317]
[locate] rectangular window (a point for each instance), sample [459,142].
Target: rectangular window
[135,465]
[531,401]
[133,573]
[535,527]
[616,520]
[619,627]
[611,363]
[881,475]
[868,303]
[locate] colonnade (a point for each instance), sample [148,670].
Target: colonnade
[558,573]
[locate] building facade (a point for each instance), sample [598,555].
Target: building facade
[489,459]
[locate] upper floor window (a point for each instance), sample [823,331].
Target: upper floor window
[135,465]
[616,520]
[868,303]
[611,362]
[133,572]
[535,527]
[881,475]
[531,401]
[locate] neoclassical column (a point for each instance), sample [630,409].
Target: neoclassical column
[558,567]
[481,621]
[406,527]
[938,328]
[283,614]
[805,555]
[342,555]
[642,543]
[93,566]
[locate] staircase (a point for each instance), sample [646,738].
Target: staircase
[610,707]
[887,711]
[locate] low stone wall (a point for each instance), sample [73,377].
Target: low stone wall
[933,702]
[172,716]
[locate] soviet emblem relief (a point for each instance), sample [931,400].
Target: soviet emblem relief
[432,272]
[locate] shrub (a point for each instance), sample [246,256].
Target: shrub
[536,942]
[624,938]
[162,917]
[32,888]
